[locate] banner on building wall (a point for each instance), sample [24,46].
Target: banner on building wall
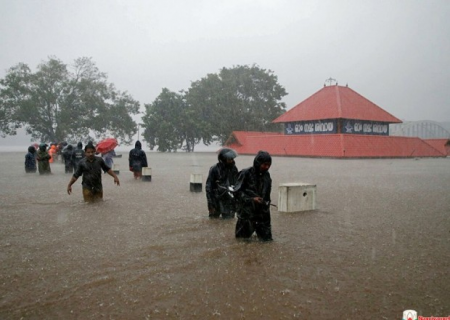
[365,127]
[308,127]
[347,126]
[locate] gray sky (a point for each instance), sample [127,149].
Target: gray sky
[395,53]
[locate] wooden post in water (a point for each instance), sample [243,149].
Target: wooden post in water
[196,182]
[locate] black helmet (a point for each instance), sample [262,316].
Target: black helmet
[225,154]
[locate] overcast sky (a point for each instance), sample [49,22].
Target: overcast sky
[396,53]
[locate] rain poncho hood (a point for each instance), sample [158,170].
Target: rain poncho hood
[80,145]
[90,145]
[31,149]
[261,157]
[137,158]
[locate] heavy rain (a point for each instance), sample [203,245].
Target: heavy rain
[378,240]
[377,244]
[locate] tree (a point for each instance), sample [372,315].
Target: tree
[56,104]
[241,98]
[161,120]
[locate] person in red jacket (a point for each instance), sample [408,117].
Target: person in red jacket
[53,153]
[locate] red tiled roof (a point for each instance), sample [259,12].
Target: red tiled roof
[443,145]
[240,137]
[336,102]
[333,145]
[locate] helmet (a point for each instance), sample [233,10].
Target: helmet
[225,154]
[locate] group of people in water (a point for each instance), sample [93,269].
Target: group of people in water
[245,193]
[39,157]
[229,192]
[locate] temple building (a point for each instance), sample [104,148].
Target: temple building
[336,122]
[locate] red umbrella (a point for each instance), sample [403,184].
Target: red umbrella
[107,145]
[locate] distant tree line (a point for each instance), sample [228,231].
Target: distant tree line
[244,98]
[76,103]
[60,102]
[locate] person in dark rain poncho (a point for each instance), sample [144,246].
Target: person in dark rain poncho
[30,160]
[221,176]
[77,155]
[137,159]
[90,167]
[43,157]
[253,192]
[67,157]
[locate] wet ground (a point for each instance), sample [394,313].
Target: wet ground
[378,244]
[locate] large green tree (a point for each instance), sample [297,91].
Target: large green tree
[244,98]
[169,124]
[60,102]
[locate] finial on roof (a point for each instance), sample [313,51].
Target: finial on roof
[329,80]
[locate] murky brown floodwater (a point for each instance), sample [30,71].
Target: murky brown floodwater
[378,244]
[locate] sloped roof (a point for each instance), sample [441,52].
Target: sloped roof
[334,145]
[239,138]
[336,102]
[443,145]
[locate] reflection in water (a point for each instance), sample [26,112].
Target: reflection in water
[377,245]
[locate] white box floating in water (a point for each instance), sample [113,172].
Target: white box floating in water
[146,174]
[196,182]
[296,196]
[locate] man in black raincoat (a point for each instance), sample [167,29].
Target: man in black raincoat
[221,176]
[77,155]
[67,157]
[137,159]
[253,192]
[30,160]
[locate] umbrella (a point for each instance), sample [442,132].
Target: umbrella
[106,145]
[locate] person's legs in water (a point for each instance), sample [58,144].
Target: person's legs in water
[137,174]
[92,196]
[244,228]
[263,228]
[214,215]
[227,215]
[226,209]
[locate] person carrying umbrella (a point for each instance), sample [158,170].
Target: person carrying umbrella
[137,159]
[108,157]
[90,167]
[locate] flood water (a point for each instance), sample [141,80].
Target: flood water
[378,244]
